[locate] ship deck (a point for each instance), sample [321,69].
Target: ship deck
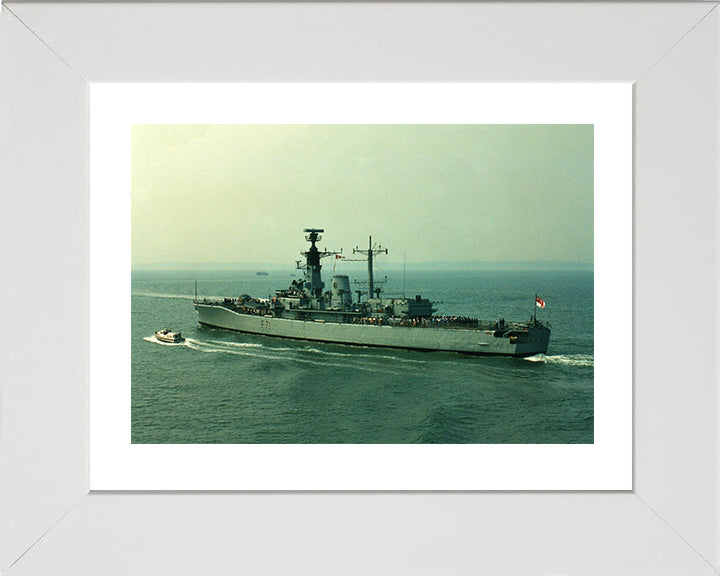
[439,322]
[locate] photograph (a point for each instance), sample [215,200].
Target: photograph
[362,283]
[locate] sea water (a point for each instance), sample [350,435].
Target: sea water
[226,387]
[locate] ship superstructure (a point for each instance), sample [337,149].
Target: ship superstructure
[307,311]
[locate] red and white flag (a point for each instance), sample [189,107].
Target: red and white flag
[539,302]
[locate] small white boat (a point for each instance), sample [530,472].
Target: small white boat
[169,337]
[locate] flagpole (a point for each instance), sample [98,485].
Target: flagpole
[535,307]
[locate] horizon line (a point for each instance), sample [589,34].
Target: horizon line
[260,266]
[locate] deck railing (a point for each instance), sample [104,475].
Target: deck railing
[441,322]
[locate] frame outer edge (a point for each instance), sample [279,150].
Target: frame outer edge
[677,444]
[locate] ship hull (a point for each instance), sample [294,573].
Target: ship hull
[477,342]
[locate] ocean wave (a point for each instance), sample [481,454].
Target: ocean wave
[587,360]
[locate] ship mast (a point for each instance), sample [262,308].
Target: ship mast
[370,251]
[312,265]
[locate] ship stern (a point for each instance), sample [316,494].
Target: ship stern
[537,342]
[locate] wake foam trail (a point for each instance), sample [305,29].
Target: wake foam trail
[276,354]
[161,295]
[573,360]
[211,349]
[316,351]
[587,360]
[358,355]
[224,343]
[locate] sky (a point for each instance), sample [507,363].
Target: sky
[223,195]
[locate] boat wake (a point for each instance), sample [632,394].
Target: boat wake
[379,357]
[231,344]
[587,360]
[162,295]
[173,296]
[310,356]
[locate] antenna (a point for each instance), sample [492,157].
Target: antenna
[404,254]
[370,252]
[314,234]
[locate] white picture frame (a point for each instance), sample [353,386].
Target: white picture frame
[667,524]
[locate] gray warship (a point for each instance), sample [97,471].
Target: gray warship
[306,311]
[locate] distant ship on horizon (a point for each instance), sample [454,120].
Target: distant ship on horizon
[306,311]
